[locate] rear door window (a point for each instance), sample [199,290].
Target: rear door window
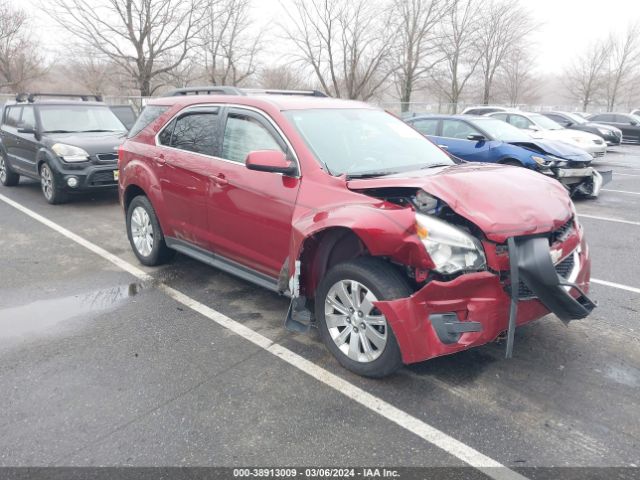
[197,132]
[426,126]
[13,116]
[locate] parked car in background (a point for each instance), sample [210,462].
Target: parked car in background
[629,124]
[544,128]
[125,113]
[483,110]
[486,139]
[583,114]
[392,250]
[636,112]
[611,135]
[69,145]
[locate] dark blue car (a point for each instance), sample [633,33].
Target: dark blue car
[486,139]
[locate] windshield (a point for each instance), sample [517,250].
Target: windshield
[362,141]
[575,118]
[79,118]
[499,130]
[545,122]
[635,117]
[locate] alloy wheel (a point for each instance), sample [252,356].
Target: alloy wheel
[356,326]
[46,181]
[142,231]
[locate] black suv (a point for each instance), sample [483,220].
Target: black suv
[69,144]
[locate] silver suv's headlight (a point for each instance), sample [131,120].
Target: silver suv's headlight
[452,249]
[69,153]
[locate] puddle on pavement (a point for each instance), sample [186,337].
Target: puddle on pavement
[43,314]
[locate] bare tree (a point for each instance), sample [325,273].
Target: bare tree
[459,35]
[231,42]
[20,62]
[139,35]
[345,44]
[285,77]
[503,27]
[624,59]
[516,77]
[585,77]
[91,72]
[417,24]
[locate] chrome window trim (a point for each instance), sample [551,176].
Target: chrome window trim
[228,105]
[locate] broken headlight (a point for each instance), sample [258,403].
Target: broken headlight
[451,249]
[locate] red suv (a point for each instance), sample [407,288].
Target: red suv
[396,252]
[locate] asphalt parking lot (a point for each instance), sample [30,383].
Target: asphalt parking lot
[99,366]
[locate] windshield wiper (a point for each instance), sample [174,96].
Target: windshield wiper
[60,131]
[435,165]
[99,130]
[368,174]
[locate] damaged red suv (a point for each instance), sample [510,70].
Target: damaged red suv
[395,252]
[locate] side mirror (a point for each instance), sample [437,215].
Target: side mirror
[476,137]
[534,128]
[27,129]
[568,124]
[270,161]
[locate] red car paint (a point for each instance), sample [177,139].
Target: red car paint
[264,221]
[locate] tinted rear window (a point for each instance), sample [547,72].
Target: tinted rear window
[148,115]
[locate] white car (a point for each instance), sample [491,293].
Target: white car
[544,128]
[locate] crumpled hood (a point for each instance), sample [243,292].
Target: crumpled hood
[502,201]
[556,148]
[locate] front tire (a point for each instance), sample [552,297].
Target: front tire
[52,192]
[8,178]
[145,235]
[351,327]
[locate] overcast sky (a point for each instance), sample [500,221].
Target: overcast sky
[567,25]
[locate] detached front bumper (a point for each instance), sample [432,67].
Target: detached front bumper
[474,309]
[585,181]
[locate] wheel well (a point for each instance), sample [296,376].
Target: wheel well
[511,161]
[130,193]
[325,249]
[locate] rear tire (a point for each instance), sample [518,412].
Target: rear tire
[361,338]
[52,192]
[8,178]
[145,235]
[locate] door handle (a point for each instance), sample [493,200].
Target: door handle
[160,160]
[444,147]
[219,179]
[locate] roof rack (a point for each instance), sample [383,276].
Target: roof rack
[271,91]
[209,90]
[31,97]
[227,90]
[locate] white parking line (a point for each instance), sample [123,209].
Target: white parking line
[615,285]
[467,454]
[608,219]
[619,191]
[625,174]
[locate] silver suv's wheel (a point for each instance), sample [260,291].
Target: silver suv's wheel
[356,326]
[350,325]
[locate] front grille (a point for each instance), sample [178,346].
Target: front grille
[598,154]
[104,177]
[564,269]
[562,233]
[107,157]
